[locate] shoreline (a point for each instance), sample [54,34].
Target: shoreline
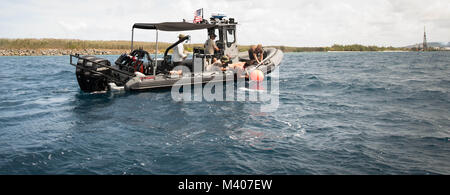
[60,52]
[59,47]
[63,52]
[386,51]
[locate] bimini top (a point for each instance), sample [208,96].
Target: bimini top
[172,26]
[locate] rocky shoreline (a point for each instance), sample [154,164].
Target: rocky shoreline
[59,52]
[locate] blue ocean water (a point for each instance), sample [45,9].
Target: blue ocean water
[339,113]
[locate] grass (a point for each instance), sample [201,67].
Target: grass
[71,44]
[123,45]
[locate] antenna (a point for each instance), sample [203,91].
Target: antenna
[425,46]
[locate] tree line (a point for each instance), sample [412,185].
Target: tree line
[121,45]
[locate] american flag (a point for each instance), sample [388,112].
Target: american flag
[198,16]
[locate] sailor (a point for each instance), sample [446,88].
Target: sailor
[216,65]
[259,53]
[225,61]
[238,67]
[178,52]
[210,45]
[252,55]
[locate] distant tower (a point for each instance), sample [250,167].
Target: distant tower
[425,46]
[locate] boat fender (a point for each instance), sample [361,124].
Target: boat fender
[257,75]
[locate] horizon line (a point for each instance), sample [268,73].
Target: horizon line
[202,43]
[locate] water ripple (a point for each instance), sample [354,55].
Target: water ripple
[339,113]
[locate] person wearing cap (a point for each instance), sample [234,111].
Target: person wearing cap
[238,67]
[210,45]
[217,64]
[225,61]
[178,55]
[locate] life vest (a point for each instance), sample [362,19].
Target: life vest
[139,66]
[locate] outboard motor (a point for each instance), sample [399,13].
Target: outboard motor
[93,80]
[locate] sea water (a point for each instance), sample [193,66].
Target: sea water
[338,113]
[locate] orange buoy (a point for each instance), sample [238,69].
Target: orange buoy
[257,75]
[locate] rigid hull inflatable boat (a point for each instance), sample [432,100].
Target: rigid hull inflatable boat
[140,70]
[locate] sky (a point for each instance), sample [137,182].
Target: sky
[302,23]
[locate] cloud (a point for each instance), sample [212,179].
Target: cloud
[270,22]
[73,27]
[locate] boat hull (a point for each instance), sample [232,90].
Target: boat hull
[139,81]
[272,61]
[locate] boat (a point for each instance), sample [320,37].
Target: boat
[141,70]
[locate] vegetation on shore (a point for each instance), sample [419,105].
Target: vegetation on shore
[71,44]
[336,47]
[117,47]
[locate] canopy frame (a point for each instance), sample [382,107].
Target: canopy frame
[172,26]
[166,26]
